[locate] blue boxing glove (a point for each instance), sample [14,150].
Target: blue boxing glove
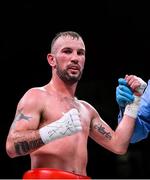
[124,94]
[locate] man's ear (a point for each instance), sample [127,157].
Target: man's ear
[51,59]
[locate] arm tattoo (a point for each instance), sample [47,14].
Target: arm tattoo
[102,130]
[24,147]
[20,116]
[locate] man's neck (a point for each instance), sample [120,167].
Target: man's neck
[63,88]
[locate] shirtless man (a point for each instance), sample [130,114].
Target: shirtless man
[53,126]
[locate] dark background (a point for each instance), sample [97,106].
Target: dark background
[117,36]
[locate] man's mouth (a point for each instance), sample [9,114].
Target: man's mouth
[73,67]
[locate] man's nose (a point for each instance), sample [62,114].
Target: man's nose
[75,61]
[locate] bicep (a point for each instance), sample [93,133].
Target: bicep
[27,116]
[100,131]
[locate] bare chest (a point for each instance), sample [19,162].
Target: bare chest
[55,107]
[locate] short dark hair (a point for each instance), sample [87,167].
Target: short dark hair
[73,34]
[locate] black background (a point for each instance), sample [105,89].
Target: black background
[117,36]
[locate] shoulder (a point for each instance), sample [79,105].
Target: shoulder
[33,95]
[89,107]
[85,103]
[34,92]
[92,112]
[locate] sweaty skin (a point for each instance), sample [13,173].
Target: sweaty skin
[41,106]
[69,152]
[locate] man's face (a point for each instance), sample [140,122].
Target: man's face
[70,58]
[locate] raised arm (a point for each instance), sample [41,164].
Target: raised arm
[117,141]
[125,95]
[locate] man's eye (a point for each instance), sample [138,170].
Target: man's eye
[81,53]
[67,51]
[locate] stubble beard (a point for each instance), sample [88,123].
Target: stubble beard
[66,77]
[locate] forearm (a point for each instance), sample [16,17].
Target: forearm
[23,143]
[124,132]
[20,142]
[126,126]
